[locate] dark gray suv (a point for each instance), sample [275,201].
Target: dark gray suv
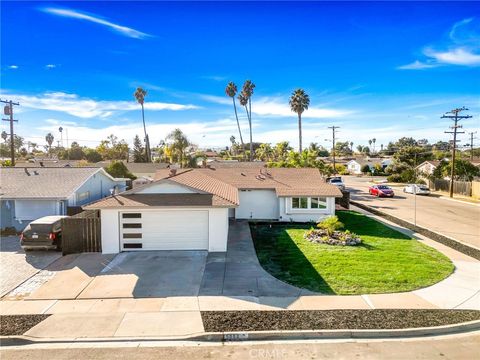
[43,233]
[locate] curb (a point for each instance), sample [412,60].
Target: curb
[468,250]
[263,335]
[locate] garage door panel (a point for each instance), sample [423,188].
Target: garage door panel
[167,230]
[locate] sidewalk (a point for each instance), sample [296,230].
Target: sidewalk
[178,316]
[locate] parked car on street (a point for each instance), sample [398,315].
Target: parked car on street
[337,181]
[419,189]
[43,233]
[381,190]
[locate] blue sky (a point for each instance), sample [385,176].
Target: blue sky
[382,70]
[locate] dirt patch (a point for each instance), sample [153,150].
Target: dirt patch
[19,324]
[218,321]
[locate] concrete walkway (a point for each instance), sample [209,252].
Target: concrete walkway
[255,290]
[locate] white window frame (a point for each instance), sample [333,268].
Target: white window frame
[308,209]
[83,196]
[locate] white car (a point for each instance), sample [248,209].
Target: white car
[419,189]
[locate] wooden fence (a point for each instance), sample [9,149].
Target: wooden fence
[81,233]
[459,187]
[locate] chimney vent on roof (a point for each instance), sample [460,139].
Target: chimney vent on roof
[42,164]
[35,172]
[173,172]
[26,171]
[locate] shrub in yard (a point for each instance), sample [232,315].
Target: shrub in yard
[330,224]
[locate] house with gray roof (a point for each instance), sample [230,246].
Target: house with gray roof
[29,193]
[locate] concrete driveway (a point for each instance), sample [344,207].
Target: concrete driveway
[143,274]
[16,266]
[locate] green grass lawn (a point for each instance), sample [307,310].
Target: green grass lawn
[387,260]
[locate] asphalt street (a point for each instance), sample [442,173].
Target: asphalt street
[455,219]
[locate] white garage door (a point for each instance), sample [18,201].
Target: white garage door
[164,230]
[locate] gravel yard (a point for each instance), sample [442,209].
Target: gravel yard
[19,324]
[217,321]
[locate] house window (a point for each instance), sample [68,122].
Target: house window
[318,203]
[300,203]
[83,196]
[132,215]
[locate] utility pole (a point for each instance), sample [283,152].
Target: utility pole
[471,143]
[455,117]
[333,144]
[8,110]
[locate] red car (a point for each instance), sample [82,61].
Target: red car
[381,190]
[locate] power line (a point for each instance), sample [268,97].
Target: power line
[455,117]
[471,143]
[8,110]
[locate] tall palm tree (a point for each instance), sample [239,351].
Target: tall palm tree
[140,97]
[374,141]
[245,99]
[231,91]
[351,146]
[299,102]
[369,144]
[49,139]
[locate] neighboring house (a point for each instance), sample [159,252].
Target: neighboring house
[140,170]
[27,194]
[189,209]
[355,166]
[427,167]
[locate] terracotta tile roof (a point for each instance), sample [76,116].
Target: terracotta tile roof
[147,200]
[285,181]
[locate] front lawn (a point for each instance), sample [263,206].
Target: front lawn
[386,261]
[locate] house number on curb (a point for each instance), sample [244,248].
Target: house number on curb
[235,337]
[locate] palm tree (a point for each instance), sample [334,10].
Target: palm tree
[140,97]
[299,102]
[374,141]
[245,99]
[231,91]
[351,146]
[49,139]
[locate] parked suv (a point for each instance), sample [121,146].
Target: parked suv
[337,181]
[43,233]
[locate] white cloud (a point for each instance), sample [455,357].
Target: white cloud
[461,48]
[417,65]
[50,66]
[74,14]
[13,67]
[88,108]
[458,56]
[214,77]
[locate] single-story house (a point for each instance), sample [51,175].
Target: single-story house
[27,194]
[189,209]
[427,167]
[355,166]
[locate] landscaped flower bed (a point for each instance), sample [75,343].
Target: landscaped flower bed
[340,238]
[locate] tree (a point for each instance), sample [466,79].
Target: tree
[342,148]
[49,139]
[299,102]
[92,155]
[112,149]
[281,150]
[178,143]
[351,146]
[4,136]
[265,152]
[366,169]
[330,225]
[75,152]
[140,97]
[245,99]
[464,170]
[374,141]
[231,91]
[117,169]
[138,150]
